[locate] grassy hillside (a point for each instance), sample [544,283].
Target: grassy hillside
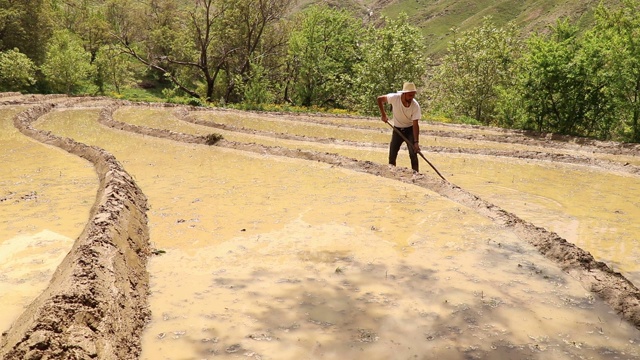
[437,17]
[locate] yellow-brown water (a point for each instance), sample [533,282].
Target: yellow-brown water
[368,131]
[274,258]
[596,210]
[45,198]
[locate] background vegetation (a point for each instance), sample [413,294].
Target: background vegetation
[570,67]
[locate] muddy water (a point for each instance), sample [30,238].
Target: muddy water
[45,198]
[163,119]
[593,209]
[372,131]
[272,258]
[375,131]
[598,211]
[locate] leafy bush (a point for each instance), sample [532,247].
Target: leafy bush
[17,71]
[195,102]
[67,66]
[138,94]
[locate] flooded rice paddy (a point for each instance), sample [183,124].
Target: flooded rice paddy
[589,207]
[270,257]
[45,198]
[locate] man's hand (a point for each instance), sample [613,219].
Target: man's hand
[385,118]
[416,147]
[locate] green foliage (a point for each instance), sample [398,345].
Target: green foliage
[477,64]
[114,68]
[618,32]
[67,67]
[392,55]
[186,100]
[465,120]
[565,82]
[169,93]
[204,46]
[255,91]
[246,53]
[11,15]
[85,18]
[510,111]
[323,51]
[195,102]
[26,25]
[137,94]
[435,18]
[17,71]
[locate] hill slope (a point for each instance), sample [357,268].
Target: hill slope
[437,17]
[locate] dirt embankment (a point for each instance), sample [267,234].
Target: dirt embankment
[96,303]
[106,118]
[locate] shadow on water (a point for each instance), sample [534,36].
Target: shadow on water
[341,308]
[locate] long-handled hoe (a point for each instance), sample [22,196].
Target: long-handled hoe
[419,152]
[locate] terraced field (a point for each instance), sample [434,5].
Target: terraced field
[291,238]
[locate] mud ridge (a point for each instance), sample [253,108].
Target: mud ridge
[612,287]
[96,303]
[10,94]
[30,99]
[106,118]
[542,156]
[509,136]
[184,115]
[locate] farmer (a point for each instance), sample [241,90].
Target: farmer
[406,113]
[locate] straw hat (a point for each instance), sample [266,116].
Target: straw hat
[408,87]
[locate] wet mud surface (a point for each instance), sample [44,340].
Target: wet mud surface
[77,316]
[95,304]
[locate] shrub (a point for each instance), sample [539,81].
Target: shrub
[17,71]
[212,139]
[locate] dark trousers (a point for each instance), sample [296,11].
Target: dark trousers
[396,142]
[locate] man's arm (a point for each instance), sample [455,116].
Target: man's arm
[382,99]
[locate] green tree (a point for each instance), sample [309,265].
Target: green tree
[26,25]
[600,107]
[323,51]
[547,85]
[156,34]
[257,90]
[17,71]
[114,67]
[619,30]
[477,65]
[67,66]
[259,32]
[391,55]
[85,18]
[566,83]
[199,45]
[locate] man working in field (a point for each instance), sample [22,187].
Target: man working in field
[406,114]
